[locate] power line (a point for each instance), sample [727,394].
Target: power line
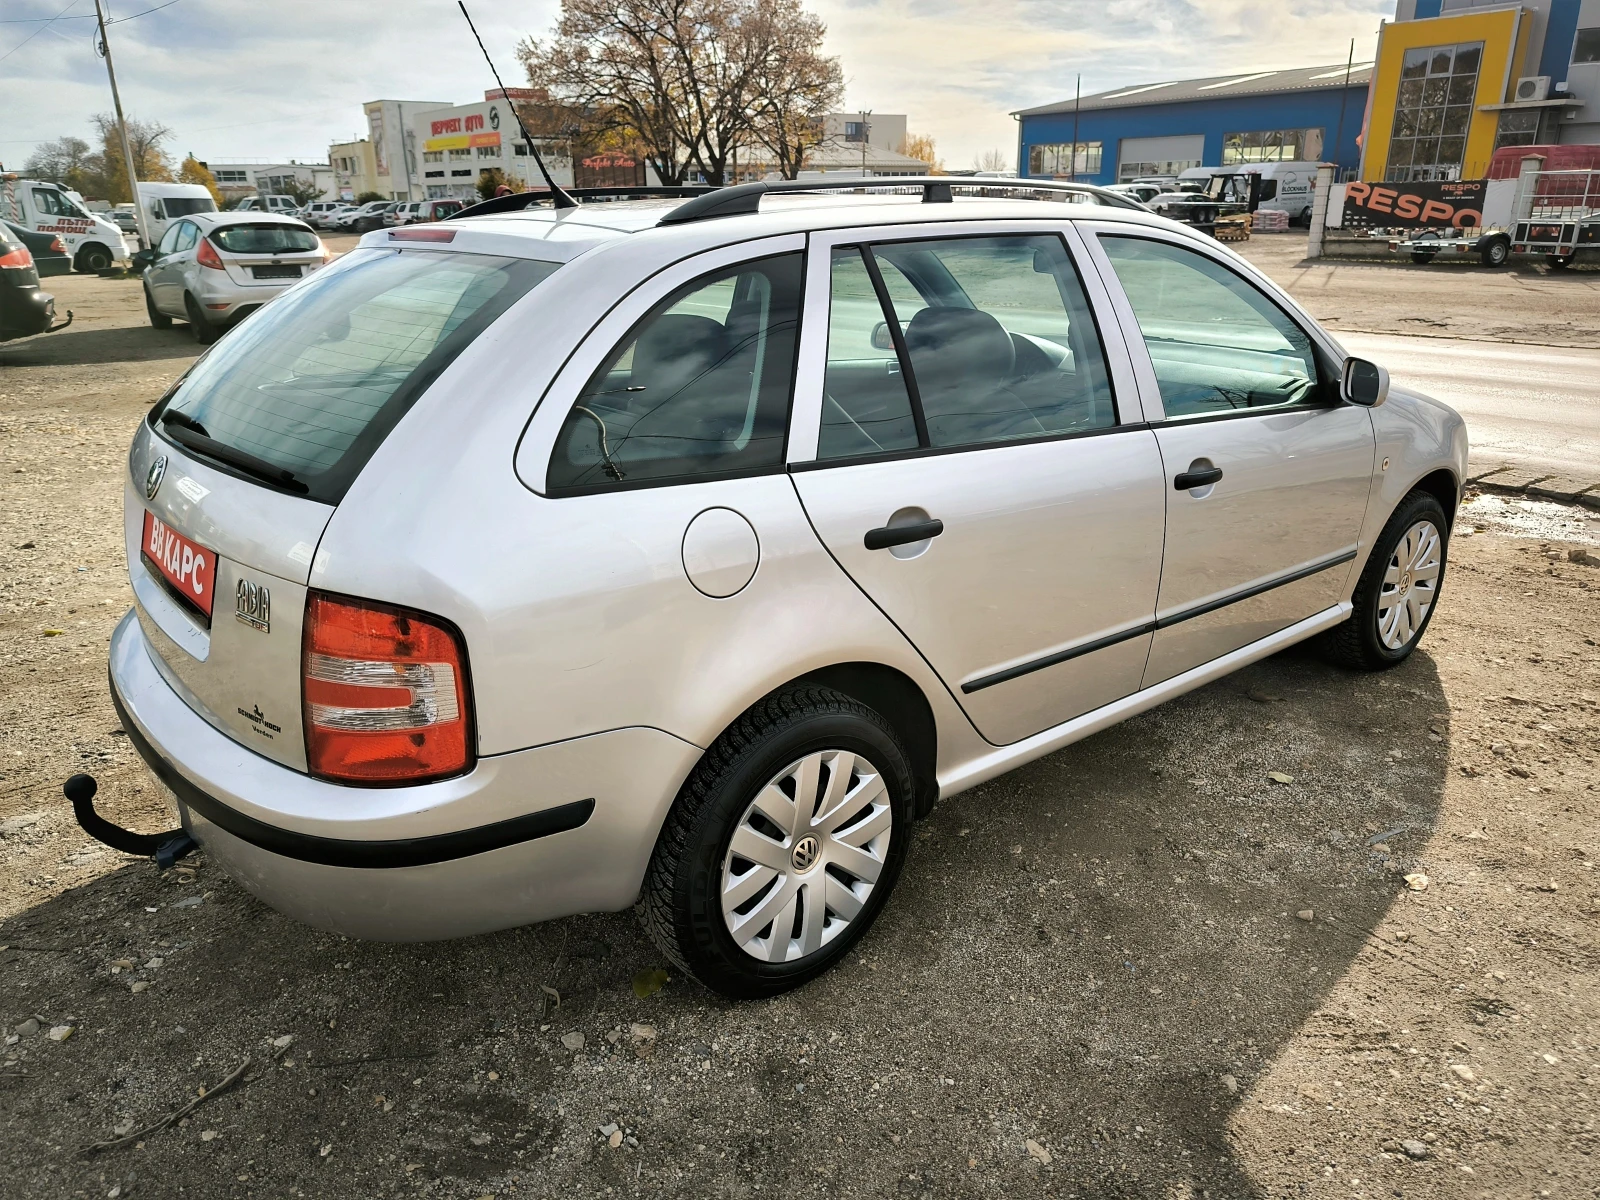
[37,32]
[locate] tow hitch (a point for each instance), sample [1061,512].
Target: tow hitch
[166,848]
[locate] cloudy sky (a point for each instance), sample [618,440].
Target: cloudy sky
[257,81]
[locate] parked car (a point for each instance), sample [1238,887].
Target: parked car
[165,203]
[401,214]
[285,205]
[1142,192]
[215,269]
[49,252]
[25,309]
[370,215]
[316,213]
[124,218]
[436,210]
[377,218]
[803,516]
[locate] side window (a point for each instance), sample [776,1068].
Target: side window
[1218,345]
[169,241]
[188,235]
[700,388]
[48,200]
[995,342]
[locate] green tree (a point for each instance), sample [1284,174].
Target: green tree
[367,198]
[491,180]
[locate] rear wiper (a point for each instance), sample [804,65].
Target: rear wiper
[190,433]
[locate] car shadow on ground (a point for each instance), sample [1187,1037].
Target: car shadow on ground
[78,346]
[1086,965]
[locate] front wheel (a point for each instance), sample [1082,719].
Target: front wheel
[783,845]
[158,319]
[1422,257]
[1495,252]
[1398,590]
[93,259]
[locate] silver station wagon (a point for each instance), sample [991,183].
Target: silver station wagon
[691,548]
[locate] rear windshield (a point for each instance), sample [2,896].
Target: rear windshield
[265,239]
[315,381]
[183,206]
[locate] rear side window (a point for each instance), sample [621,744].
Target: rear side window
[265,239]
[700,388]
[315,381]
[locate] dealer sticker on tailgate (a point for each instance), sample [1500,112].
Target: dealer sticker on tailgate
[190,569]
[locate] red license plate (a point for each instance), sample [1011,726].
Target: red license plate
[190,568]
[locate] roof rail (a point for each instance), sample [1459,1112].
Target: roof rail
[745,198]
[518,201]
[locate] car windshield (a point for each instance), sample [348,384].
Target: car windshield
[315,381]
[265,239]
[183,206]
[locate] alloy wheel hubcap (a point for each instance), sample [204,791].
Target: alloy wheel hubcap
[806,855]
[1410,585]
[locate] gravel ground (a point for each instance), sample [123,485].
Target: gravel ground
[1137,968]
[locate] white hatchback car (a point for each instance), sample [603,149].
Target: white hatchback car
[696,548]
[215,269]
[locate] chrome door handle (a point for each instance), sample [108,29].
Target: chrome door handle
[886,536]
[1191,478]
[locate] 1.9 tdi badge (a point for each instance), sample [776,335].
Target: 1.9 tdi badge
[253,606]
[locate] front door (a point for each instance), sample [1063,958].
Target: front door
[1267,470]
[166,277]
[981,475]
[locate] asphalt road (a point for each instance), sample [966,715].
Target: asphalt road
[1535,406]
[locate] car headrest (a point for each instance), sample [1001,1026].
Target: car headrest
[675,350]
[958,350]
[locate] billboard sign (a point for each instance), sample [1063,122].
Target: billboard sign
[1433,204]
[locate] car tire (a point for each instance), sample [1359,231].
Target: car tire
[1558,262]
[1398,591]
[1423,257]
[204,331]
[1495,252]
[700,907]
[92,260]
[158,319]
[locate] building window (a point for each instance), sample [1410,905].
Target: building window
[1272,145]
[1171,168]
[488,151]
[433,156]
[459,155]
[855,131]
[1432,112]
[520,149]
[222,175]
[1058,160]
[1586,48]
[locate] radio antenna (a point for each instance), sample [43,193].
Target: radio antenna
[559,196]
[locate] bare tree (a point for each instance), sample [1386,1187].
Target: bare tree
[685,79]
[60,161]
[992,160]
[105,172]
[795,86]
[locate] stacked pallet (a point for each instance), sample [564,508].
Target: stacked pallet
[1270,220]
[1232,229]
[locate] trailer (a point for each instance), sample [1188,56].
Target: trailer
[1493,246]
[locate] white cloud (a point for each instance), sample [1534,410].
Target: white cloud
[242,79]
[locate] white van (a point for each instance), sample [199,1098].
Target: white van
[165,203]
[1286,186]
[94,242]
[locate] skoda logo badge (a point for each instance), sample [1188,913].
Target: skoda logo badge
[152,481]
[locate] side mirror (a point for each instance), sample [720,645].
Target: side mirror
[143,258]
[881,339]
[1364,383]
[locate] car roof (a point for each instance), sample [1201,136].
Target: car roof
[565,233]
[251,216]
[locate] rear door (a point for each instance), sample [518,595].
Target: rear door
[1267,470]
[972,454]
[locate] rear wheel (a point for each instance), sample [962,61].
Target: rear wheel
[204,331]
[1494,252]
[1558,262]
[1423,257]
[93,259]
[1398,590]
[158,319]
[783,845]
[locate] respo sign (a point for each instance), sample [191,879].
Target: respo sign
[1454,203]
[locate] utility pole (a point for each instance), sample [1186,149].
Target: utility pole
[1344,96]
[1077,100]
[866,136]
[122,129]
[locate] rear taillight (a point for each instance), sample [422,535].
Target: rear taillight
[207,255]
[56,246]
[17,258]
[386,698]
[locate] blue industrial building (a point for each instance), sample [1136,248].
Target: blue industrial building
[1225,120]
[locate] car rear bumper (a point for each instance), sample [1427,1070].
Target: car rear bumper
[523,837]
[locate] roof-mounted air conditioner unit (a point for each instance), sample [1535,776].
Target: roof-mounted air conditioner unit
[1533,87]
